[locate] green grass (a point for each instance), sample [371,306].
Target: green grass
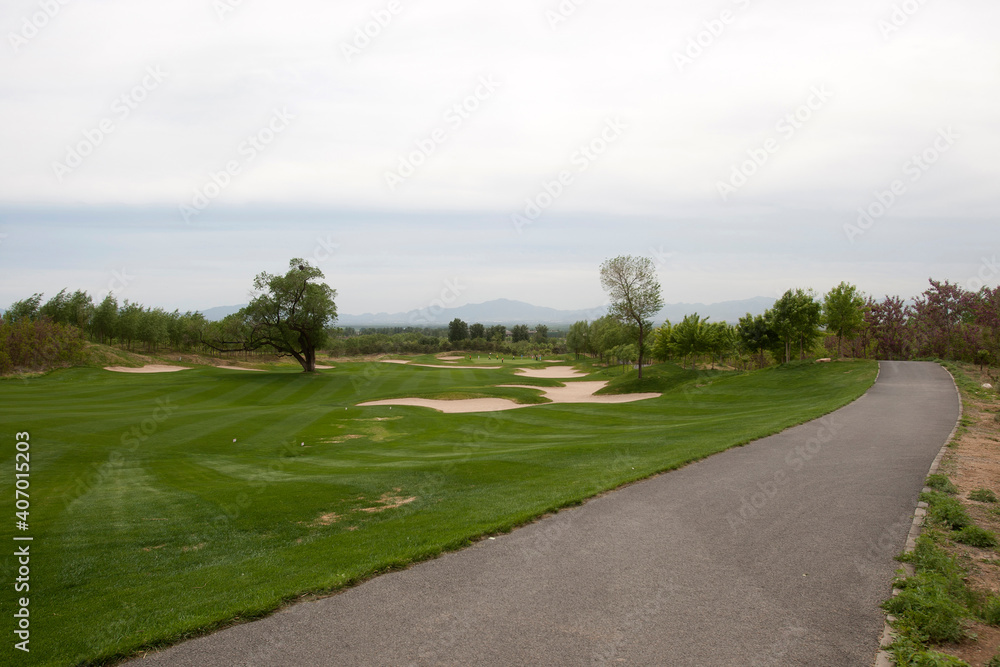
[977,537]
[946,511]
[983,496]
[940,482]
[151,524]
[933,604]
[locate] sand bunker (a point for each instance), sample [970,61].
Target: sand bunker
[451,368]
[480,368]
[324,368]
[552,372]
[148,368]
[451,358]
[574,392]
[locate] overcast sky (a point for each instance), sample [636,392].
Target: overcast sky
[171,151]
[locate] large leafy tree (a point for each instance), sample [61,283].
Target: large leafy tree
[795,318]
[635,294]
[457,331]
[104,323]
[939,319]
[887,322]
[756,335]
[289,314]
[690,337]
[843,313]
[520,332]
[25,309]
[661,341]
[578,338]
[497,334]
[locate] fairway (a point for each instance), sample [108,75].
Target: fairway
[165,505]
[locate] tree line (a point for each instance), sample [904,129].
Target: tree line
[133,326]
[944,322]
[293,315]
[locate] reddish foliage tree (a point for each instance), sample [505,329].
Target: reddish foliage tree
[887,325]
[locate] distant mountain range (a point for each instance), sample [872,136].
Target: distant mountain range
[506,311]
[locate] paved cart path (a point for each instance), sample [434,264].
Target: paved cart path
[776,553]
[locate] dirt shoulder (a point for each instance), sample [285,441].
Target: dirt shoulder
[972,462]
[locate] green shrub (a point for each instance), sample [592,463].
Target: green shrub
[989,611]
[933,604]
[946,511]
[940,482]
[928,557]
[976,537]
[983,496]
[927,607]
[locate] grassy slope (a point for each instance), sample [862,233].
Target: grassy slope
[151,526]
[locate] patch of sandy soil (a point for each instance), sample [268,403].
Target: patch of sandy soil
[974,463]
[977,653]
[148,368]
[551,373]
[452,407]
[573,392]
[341,438]
[400,361]
[388,501]
[583,392]
[477,368]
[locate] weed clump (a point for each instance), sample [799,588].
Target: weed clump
[977,537]
[941,483]
[946,511]
[983,496]
[933,604]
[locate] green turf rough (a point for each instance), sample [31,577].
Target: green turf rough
[151,524]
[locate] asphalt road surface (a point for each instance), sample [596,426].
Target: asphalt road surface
[776,553]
